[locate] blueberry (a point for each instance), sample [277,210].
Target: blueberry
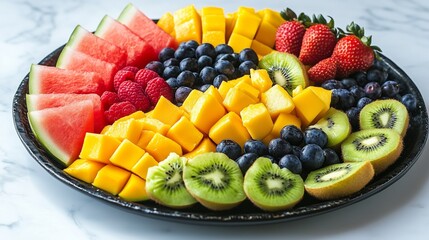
[205,49]
[374,75]
[230,148]
[332,84]
[296,150]
[245,67]
[410,102]
[292,134]
[249,54]
[192,44]
[236,59]
[363,102]
[353,115]
[331,157]
[198,80]
[230,58]
[335,99]
[186,78]
[345,98]
[358,92]
[291,162]
[217,81]
[165,54]
[172,82]
[171,62]
[223,49]
[245,161]
[348,82]
[312,157]
[224,67]
[204,61]
[184,52]
[360,78]
[379,65]
[189,64]
[255,146]
[390,88]
[219,56]
[373,90]
[204,87]
[171,71]
[207,75]
[279,147]
[272,159]
[315,136]
[156,66]
[182,93]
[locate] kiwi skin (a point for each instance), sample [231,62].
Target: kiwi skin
[346,186]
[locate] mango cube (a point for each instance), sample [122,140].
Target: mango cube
[308,106]
[224,88]
[166,112]
[111,179]
[231,127]
[166,23]
[260,79]
[206,112]
[98,147]
[144,163]
[239,42]
[185,133]
[247,24]
[249,90]
[154,125]
[191,99]
[134,115]
[127,129]
[187,24]
[160,147]
[212,90]
[230,19]
[213,25]
[134,190]
[266,33]
[277,100]
[235,100]
[126,155]
[206,145]
[245,78]
[325,96]
[145,137]
[257,120]
[260,48]
[84,169]
[282,120]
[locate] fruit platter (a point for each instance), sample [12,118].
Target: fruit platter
[250,117]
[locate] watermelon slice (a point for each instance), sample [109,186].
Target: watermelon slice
[84,41]
[47,79]
[75,60]
[145,28]
[61,130]
[42,101]
[139,51]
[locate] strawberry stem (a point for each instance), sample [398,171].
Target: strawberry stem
[359,32]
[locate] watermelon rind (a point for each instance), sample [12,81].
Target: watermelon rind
[127,13]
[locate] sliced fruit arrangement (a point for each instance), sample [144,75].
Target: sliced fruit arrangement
[214,108]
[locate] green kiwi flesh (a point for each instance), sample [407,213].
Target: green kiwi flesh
[164,183]
[339,180]
[336,125]
[381,147]
[271,188]
[214,180]
[285,69]
[388,113]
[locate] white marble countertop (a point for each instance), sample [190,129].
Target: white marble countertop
[34,205]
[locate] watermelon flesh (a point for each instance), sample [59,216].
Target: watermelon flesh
[145,28]
[42,101]
[75,60]
[139,51]
[84,41]
[61,130]
[47,79]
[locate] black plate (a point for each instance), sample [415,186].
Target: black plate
[246,213]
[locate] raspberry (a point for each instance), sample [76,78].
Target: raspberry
[133,93]
[118,110]
[108,99]
[122,76]
[143,76]
[156,88]
[131,69]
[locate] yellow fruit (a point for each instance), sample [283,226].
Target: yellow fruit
[84,169]
[257,120]
[213,25]
[111,179]
[187,24]
[98,147]
[166,112]
[260,48]
[191,99]
[166,23]
[308,106]
[212,90]
[145,137]
[134,115]
[282,120]
[206,145]
[160,147]
[325,96]
[154,125]
[277,100]
[185,133]
[143,164]
[224,88]
[127,129]
[266,33]
[230,19]
[206,112]
[126,155]
[235,100]
[231,127]
[248,89]
[260,79]
[134,190]
[245,27]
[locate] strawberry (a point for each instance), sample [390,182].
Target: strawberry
[289,35]
[156,88]
[323,70]
[318,42]
[353,51]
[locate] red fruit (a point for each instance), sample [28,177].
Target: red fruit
[143,76]
[289,37]
[317,44]
[323,70]
[108,99]
[156,88]
[133,93]
[122,76]
[118,110]
[131,69]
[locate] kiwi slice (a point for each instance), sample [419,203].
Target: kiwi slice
[271,188]
[164,183]
[381,147]
[338,180]
[285,69]
[214,180]
[388,113]
[336,125]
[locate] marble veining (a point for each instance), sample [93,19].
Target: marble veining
[34,205]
